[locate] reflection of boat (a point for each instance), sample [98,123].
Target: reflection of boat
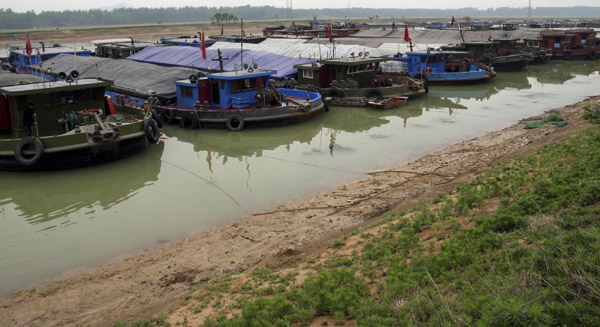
[354,120]
[238,99]
[69,192]
[559,71]
[67,124]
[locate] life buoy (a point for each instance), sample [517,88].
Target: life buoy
[567,55]
[167,116]
[334,92]
[189,121]
[235,123]
[156,118]
[374,93]
[593,55]
[25,142]
[151,131]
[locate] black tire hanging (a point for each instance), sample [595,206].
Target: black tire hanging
[326,105]
[151,131]
[25,142]
[593,55]
[156,118]
[374,93]
[567,55]
[167,116]
[334,92]
[486,60]
[235,123]
[189,121]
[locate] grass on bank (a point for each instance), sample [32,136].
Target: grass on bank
[518,246]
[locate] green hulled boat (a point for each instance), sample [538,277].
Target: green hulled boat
[74,125]
[356,77]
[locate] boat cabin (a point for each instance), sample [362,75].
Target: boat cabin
[436,61]
[569,39]
[52,101]
[323,73]
[120,50]
[21,59]
[223,90]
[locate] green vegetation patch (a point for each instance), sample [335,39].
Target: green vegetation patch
[519,246]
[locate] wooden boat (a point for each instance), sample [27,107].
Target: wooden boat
[445,67]
[237,100]
[388,103]
[569,44]
[498,54]
[347,102]
[75,126]
[357,77]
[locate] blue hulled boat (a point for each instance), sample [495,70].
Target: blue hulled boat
[445,67]
[236,100]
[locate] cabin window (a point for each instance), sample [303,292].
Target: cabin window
[27,60]
[243,85]
[84,95]
[322,34]
[352,69]
[63,98]
[222,83]
[187,91]
[533,43]
[307,74]
[335,32]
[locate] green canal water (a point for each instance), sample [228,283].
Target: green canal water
[52,223]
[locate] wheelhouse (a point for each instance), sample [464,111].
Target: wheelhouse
[52,100]
[322,74]
[223,90]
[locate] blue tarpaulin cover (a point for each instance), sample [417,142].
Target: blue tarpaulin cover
[192,58]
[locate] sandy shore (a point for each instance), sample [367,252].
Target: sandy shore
[149,283]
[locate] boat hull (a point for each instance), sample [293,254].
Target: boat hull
[73,150]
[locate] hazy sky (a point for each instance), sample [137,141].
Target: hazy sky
[38,5]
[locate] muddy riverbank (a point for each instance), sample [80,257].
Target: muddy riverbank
[149,283]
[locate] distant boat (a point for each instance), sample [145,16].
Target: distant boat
[500,54]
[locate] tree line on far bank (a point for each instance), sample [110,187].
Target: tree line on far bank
[129,16]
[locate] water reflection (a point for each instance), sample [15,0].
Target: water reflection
[560,71]
[44,196]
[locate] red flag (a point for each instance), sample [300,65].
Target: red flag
[203,46]
[406,37]
[221,29]
[330,32]
[452,22]
[28,47]
[467,18]
[315,19]
[276,14]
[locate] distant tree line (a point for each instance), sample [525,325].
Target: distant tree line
[124,16]
[223,18]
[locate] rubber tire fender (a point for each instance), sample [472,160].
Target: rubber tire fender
[167,116]
[37,145]
[334,92]
[592,55]
[156,118]
[233,118]
[189,121]
[326,105]
[151,131]
[568,55]
[374,93]
[486,60]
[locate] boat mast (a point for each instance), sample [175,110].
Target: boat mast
[241,43]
